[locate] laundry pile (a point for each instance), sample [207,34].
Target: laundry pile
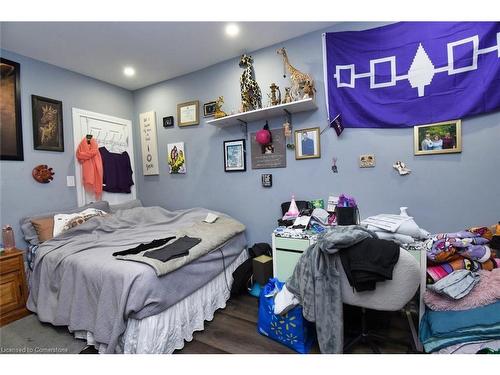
[401,228]
[463,292]
[315,282]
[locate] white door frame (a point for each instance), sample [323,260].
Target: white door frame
[77,138]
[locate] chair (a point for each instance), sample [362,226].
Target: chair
[390,295]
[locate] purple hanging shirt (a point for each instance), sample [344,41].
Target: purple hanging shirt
[117,171]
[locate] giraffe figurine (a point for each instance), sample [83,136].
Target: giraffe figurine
[299,79]
[251,96]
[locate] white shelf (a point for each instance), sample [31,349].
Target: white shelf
[265,113]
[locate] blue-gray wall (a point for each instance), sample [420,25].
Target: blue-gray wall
[20,194]
[443,192]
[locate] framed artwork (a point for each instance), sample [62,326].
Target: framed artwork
[188,113]
[307,144]
[48,134]
[209,109]
[267,180]
[149,143]
[168,121]
[438,138]
[235,156]
[272,155]
[11,130]
[176,158]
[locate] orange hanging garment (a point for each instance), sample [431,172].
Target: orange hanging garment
[90,158]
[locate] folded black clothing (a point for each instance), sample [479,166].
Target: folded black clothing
[145,246]
[176,249]
[368,262]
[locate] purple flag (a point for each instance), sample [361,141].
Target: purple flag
[412,73]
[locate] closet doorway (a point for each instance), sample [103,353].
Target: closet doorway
[111,132]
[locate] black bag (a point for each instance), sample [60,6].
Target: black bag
[244,272]
[347,215]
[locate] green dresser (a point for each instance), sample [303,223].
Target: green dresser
[286,253]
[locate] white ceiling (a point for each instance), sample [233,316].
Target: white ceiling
[157,50]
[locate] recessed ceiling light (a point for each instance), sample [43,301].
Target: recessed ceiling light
[129,71]
[232,30]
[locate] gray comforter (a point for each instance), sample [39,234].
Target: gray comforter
[77,282]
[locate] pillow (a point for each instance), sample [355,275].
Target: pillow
[125,206]
[64,222]
[29,231]
[44,228]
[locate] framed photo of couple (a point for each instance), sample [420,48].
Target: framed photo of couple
[438,138]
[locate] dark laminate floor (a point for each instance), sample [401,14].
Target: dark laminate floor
[234,330]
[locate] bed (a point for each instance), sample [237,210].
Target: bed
[122,306]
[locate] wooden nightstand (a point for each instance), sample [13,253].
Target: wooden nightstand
[13,289]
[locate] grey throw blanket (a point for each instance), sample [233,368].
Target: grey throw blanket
[76,282]
[212,235]
[316,283]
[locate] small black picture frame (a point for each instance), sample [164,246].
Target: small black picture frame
[267,180]
[168,121]
[48,132]
[235,156]
[209,109]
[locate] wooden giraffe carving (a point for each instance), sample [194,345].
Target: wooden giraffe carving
[299,79]
[251,96]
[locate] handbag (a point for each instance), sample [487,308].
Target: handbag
[347,215]
[290,329]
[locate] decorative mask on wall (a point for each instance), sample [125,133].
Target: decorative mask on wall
[42,174]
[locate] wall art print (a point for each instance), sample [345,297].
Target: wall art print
[235,156]
[48,132]
[272,155]
[176,158]
[149,144]
[11,131]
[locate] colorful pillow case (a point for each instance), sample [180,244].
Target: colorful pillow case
[64,222]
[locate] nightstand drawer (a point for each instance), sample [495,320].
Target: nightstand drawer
[291,243]
[285,263]
[9,265]
[11,296]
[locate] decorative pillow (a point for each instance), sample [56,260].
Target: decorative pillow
[125,206]
[64,222]
[44,228]
[29,231]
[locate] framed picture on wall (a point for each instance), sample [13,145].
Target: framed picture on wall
[188,113]
[176,158]
[235,156]
[438,138]
[209,109]
[307,144]
[11,131]
[48,134]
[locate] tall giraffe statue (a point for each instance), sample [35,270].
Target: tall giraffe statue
[299,79]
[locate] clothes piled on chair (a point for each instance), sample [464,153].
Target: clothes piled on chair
[463,300]
[315,281]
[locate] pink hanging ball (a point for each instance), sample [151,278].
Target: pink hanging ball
[263,136]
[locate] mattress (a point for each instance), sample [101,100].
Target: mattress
[167,331]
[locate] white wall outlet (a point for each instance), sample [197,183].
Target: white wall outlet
[367,161]
[70,181]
